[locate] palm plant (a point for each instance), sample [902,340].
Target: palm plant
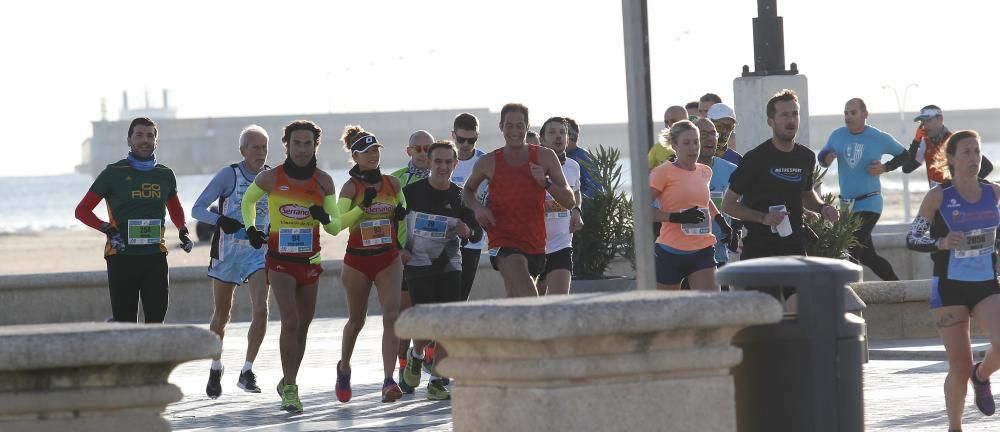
[607,218]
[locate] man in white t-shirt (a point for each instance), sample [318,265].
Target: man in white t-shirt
[560,222]
[465,132]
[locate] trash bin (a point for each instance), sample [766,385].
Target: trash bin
[805,372]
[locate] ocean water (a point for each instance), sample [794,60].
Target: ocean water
[33,204]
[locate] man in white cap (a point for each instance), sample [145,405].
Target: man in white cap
[724,119]
[930,139]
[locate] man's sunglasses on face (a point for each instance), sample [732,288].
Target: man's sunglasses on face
[461,140]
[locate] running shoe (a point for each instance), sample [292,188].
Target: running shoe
[248,382]
[984,396]
[214,387]
[391,391]
[290,399]
[281,385]
[411,375]
[343,387]
[402,383]
[437,390]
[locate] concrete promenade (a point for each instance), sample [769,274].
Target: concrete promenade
[900,395]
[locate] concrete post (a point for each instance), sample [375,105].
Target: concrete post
[751,96]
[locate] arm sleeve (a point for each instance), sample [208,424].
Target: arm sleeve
[348,216]
[825,151]
[85,211]
[917,239]
[470,219]
[249,205]
[986,168]
[914,154]
[176,210]
[401,227]
[220,186]
[330,207]
[897,161]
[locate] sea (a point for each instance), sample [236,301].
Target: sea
[45,203]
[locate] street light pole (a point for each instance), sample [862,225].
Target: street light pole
[901,105]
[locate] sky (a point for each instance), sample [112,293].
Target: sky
[243,58]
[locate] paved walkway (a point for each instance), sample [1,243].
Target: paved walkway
[899,395]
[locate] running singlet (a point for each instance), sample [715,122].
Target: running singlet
[557,217]
[136,202]
[374,229]
[293,231]
[518,205]
[230,206]
[974,259]
[680,190]
[460,176]
[721,171]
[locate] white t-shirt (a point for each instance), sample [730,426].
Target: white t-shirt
[557,217]
[461,174]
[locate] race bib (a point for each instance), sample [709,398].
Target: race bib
[376,232]
[493,252]
[977,243]
[295,240]
[459,180]
[144,231]
[554,210]
[697,229]
[430,226]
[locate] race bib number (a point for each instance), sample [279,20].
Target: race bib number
[376,232]
[295,240]
[554,210]
[144,231]
[697,229]
[430,226]
[977,243]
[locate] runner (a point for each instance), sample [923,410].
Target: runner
[858,149]
[234,262]
[961,215]
[685,248]
[560,222]
[437,223]
[660,151]
[721,171]
[418,168]
[300,197]
[369,202]
[138,192]
[519,175]
[928,143]
[465,132]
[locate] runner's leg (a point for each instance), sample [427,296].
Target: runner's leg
[356,287]
[516,279]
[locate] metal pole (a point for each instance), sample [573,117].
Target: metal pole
[640,134]
[901,106]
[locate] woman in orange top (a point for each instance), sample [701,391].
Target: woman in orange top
[685,247]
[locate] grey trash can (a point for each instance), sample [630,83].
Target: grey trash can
[805,372]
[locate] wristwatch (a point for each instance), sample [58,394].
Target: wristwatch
[548,182]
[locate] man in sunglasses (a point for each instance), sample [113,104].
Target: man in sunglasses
[416,169]
[929,141]
[465,132]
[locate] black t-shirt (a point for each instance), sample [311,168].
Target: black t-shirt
[431,222]
[767,177]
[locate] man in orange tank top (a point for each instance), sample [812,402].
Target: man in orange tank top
[519,174]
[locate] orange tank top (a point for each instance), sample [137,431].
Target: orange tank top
[518,205]
[375,229]
[293,231]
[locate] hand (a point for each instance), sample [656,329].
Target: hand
[724,228]
[317,212]
[462,230]
[257,238]
[689,216]
[951,241]
[774,218]
[484,216]
[404,256]
[370,194]
[876,168]
[538,173]
[186,242]
[115,239]
[829,157]
[734,241]
[830,212]
[920,134]
[400,212]
[229,225]
[575,221]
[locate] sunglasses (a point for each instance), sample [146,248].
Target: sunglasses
[461,140]
[421,148]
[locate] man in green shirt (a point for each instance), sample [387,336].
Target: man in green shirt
[138,193]
[661,151]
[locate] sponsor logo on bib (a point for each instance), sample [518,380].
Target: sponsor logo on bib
[294,211]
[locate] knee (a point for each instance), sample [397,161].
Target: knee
[354,325]
[290,326]
[389,318]
[259,314]
[220,319]
[962,370]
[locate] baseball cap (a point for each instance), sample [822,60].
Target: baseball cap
[720,111]
[928,112]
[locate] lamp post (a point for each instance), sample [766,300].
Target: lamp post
[901,105]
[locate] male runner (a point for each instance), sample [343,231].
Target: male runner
[560,222]
[465,132]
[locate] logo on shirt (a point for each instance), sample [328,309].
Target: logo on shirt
[792,175]
[282,188]
[147,190]
[953,203]
[853,153]
[294,211]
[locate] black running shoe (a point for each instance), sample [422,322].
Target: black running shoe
[214,387]
[248,382]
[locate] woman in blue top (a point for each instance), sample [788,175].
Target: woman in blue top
[962,217]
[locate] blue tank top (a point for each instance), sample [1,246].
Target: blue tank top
[230,206]
[973,260]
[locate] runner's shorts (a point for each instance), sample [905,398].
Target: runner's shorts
[673,266]
[371,265]
[961,293]
[304,273]
[239,264]
[561,259]
[536,262]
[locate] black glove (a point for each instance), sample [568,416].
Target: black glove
[724,227]
[228,224]
[400,213]
[257,238]
[317,212]
[689,216]
[114,237]
[186,242]
[370,194]
[734,240]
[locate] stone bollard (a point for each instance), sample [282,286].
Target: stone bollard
[85,377]
[641,360]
